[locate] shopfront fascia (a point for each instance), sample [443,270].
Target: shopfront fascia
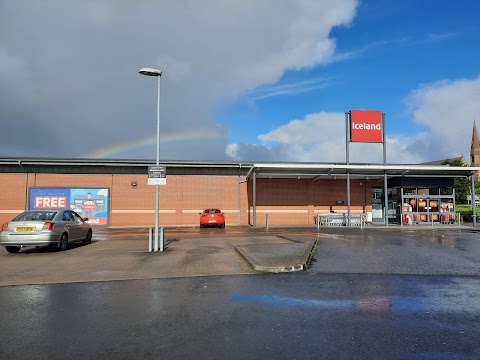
[429,187]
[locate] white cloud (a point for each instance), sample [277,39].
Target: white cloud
[237,49]
[73,63]
[279,89]
[318,137]
[441,36]
[251,152]
[309,130]
[321,137]
[447,109]
[85,59]
[232,150]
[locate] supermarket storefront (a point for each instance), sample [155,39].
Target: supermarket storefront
[248,193]
[394,194]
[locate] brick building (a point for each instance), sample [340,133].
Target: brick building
[288,193]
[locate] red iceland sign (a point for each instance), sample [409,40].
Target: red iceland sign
[365,126]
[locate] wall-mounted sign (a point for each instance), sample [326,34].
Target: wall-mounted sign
[91,203]
[339,202]
[157,175]
[366,126]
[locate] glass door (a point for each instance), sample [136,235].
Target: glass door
[377,205]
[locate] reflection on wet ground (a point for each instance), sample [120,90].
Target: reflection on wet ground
[401,295]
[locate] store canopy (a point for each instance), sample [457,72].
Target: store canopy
[312,171]
[321,171]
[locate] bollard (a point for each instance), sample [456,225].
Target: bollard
[160,240]
[266,221]
[150,239]
[162,243]
[318,221]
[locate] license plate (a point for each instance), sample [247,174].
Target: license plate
[25,229]
[212,221]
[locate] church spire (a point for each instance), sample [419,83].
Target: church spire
[475,147]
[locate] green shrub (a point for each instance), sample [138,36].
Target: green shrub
[466,215]
[466,211]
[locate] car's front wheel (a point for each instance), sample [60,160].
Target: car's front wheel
[13,249]
[88,238]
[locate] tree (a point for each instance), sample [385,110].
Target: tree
[462,184]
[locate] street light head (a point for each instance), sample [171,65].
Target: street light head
[150,72]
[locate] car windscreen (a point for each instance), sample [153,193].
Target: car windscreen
[35,216]
[212,211]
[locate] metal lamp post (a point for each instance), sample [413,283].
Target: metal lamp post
[158,74]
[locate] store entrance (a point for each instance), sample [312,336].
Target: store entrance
[378,206]
[413,206]
[428,208]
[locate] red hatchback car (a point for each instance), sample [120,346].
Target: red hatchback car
[212,217]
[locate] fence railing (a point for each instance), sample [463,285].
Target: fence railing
[340,219]
[421,218]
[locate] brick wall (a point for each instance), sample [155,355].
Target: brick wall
[286,201]
[12,195]
[181,200]
[297,201]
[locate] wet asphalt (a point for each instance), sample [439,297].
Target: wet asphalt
[424,252]
[371,295]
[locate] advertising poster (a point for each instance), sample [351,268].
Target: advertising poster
[91,203]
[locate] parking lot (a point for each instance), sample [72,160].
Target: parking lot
[122,254]
[371,293]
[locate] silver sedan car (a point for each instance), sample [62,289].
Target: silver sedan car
[55,228]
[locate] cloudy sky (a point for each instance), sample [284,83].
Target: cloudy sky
[250,80]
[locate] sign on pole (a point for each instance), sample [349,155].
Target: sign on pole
[157,175]
[366,126]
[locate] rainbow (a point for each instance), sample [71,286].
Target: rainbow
[149,141]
